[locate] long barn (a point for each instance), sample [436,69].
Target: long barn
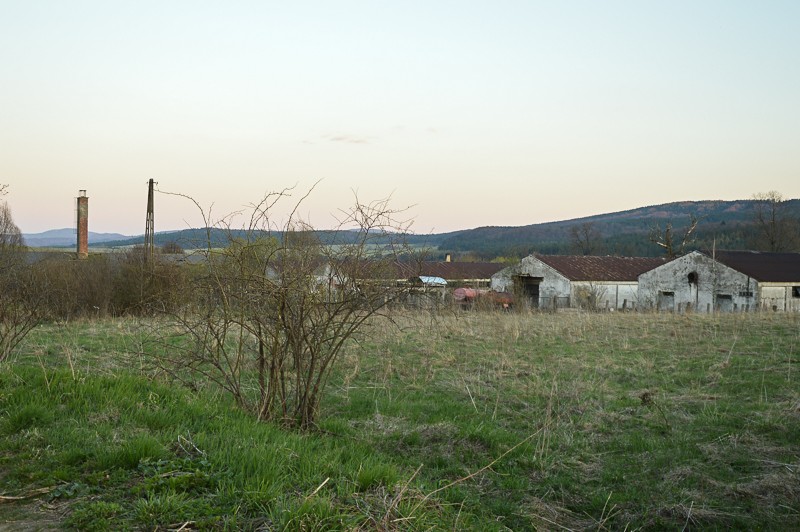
[556,281]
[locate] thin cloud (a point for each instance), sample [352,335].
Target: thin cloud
[347,139]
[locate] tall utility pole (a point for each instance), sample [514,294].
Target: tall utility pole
[149,232]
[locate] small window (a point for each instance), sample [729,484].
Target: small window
[667,293]
[746,294]
[726,297]
[796,291]
[692,278]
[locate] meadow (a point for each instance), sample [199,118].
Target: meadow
[435,421]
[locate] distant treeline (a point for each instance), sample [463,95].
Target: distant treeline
[724,224]
[220,238]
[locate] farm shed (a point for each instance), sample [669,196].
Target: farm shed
[726,281]
[457,274]
[555,281]
[432,281]
[449,275]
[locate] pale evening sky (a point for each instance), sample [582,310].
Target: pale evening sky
[476,113]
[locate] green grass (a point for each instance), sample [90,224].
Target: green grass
[460,421]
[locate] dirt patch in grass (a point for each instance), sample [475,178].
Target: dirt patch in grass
[31,515]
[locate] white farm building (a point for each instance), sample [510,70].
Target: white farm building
[726,281]
[554,281]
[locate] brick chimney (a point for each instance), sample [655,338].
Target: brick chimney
[83,225]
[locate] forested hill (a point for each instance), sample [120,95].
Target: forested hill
[215,237]
[728,224]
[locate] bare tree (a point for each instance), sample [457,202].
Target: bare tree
[11,241]
[671,244]
[275,308]
[777,230]
[20,307]
[585,238]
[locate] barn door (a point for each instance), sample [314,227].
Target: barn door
[528,288]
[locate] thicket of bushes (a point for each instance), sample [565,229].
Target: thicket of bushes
[59,288]
[109,285]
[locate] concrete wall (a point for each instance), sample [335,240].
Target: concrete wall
[779,296]
[502,280]
[714,286]
[607,294]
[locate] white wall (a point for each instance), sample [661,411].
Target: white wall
[610,295]
[779,296]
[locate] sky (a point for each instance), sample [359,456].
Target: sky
[465,114]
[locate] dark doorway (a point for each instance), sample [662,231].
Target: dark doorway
[666,301]
[724,303]
[528,288]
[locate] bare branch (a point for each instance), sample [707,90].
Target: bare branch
[273,310]
[666,238]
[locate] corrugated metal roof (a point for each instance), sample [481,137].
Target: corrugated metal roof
[449,271]
[593,268]
[762,265]
[460,270]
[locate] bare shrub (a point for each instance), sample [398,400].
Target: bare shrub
[590,295]
[273,309]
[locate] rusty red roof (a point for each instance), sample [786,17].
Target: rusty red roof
[761,265]
[600,268]
[461,270]
[450,271]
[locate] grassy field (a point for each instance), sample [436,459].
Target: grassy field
[481,421]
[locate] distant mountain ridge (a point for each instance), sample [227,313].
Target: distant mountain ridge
[66,237]
[724,224]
